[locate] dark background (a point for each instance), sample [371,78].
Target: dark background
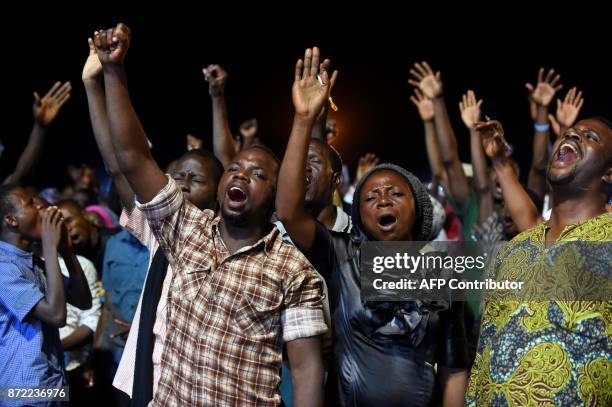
[494,53]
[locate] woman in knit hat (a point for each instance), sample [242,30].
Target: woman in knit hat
[386,353]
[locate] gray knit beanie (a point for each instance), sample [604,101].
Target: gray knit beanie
[421,230]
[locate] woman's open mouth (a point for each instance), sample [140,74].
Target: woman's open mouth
[387,222]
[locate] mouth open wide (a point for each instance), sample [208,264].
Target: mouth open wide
[387,222]
[236,195]
[568,153]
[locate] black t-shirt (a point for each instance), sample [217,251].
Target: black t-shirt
[384,352]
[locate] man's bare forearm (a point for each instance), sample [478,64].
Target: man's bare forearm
[30,155]
[433,150]
[223,142]
[291,190]
[79,337]
[522,209]
[481,177]
[102,133]
[537,173]
[307,371]
[457,180]
[78,293]
[128,137]
[54,309]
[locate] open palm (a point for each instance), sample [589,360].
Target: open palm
[45,109]
[423,104]
[546,88]
[470,109]
[568,109]
[308,93]
[424,78]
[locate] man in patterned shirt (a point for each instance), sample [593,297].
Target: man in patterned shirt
[238,291]
[554,352]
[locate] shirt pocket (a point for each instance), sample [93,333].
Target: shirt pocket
[258,310]
[190,277]
[193,286]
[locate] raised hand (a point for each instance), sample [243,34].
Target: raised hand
[45,109]
[193,142]
[112,44]
[92,69]
[533,109]
[492,136]
[545,89]
[426,80]
[470,109]
[366,163]
[567,111]
[308,92]
[216,78]
[248,129]
[423,104]
[52,227]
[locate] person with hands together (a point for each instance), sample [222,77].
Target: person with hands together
[31,300]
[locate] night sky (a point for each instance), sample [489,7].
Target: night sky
[373,52]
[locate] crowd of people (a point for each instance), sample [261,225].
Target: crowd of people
[232,277]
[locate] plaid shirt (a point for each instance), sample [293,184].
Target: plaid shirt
[228,313]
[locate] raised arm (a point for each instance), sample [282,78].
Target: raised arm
[567,111]
[308,98]
[318,130]
[77,293]
[45,111]
[52,308]
[223,143]
[426,112]
[541,95]
[431,86]
[470,114]
[94,88]
[128,138]
[519,204]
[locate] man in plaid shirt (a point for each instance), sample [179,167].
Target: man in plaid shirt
[238,291]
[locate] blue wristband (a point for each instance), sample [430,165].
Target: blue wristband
[542,128]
